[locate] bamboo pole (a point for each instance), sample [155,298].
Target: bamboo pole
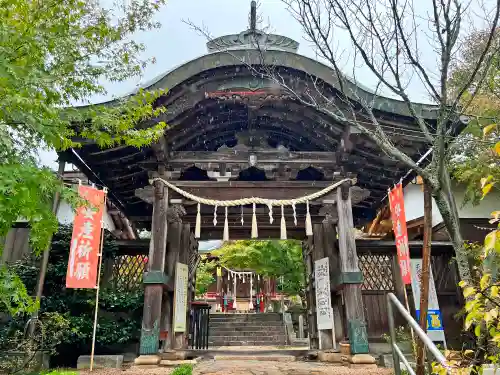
[424,281]
[97,286]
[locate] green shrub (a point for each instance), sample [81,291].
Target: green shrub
[183,370]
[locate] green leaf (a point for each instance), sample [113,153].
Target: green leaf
[492,242]
[488,129]
[469,291]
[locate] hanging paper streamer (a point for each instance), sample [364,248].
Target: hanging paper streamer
[309,229]
[294,214]
[255,233]
[242,220]
[197,228]
[225,236]
[271,219]
[215,215]
[283,224]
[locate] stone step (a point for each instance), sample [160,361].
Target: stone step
[231,327]
[247,317]
[245,343]
[270,338]
[263,357]
[245,330]
[246,322]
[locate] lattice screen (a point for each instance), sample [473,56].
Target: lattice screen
[128,271]
[377,272]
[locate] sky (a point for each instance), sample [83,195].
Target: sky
[176,42]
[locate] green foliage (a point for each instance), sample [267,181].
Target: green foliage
[53,54]
[476,153]
[183,370]
[204,277]
[13,294]
[402,335]
[268,258]
[67,315]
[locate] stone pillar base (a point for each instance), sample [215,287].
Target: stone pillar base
[147,360]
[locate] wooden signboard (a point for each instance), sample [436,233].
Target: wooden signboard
[180,297]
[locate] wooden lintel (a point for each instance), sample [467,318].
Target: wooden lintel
[241,156]
[230,190]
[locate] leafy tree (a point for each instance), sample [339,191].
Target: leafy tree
[477,163]
[204,277]
[477,151]
[68,314]
[54,54]
[268,258]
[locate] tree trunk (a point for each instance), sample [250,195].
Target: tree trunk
[448,210]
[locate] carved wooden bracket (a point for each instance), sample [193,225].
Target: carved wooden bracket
[329,211]
[145,193]
[175,213]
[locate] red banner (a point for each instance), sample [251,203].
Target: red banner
[398,215]
[85,242]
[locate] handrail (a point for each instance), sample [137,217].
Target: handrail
[397,355]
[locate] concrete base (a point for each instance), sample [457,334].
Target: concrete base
[147,360]
[330,357]
[363,359]
[100,361]
[174,355]
[167,363]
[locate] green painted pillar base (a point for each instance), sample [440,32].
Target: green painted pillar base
[358,336]
[150,340]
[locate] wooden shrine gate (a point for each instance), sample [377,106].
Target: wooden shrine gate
[234,134]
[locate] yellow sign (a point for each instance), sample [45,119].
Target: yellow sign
[219,271]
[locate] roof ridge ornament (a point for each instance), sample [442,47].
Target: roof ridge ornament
[252,38]
[253,16]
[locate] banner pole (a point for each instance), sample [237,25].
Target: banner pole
[98,282]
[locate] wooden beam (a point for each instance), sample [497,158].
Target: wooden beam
[266,233]
[231,190]
[243,156]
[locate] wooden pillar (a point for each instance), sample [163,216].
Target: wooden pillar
[174,249]
[351,276]
[319,252]
[193,264]
[311,298]
[154,278]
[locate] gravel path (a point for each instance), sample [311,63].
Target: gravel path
[135,370]
[280,368]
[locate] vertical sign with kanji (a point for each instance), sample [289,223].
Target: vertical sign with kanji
[85,242]
[398,215]
[324,310]
[180,297]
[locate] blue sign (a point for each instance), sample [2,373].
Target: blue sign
[434,320]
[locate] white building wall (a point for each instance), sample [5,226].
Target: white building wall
[65,215]
[414,204]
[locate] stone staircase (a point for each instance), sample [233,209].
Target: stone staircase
[265,329]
